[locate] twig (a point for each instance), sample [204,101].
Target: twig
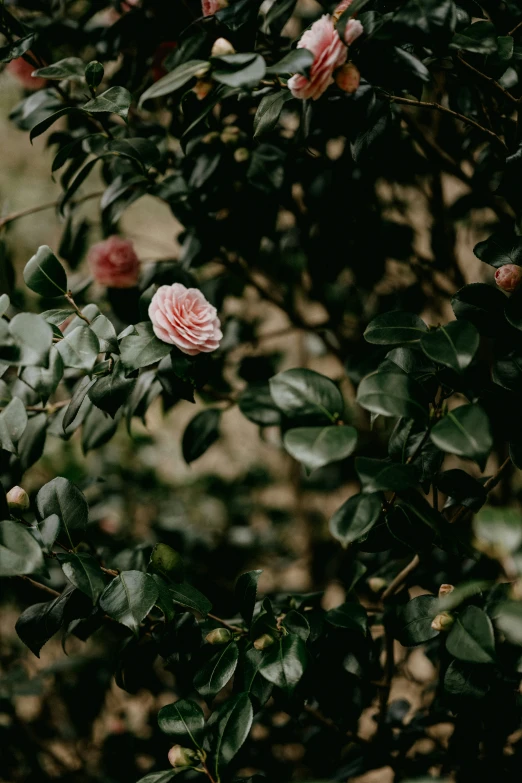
[445,110]
[40,586]
[234,628]
[400,578]
[492,82]
[41,207]
[515,29]
[76,309]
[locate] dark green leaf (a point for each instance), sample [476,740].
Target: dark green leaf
[269,111]
[464,431]
[296,61]
[13,421]
[453,345]
[79,349]
[284,662]
[499,249]
[141,347]
[68,68]
[350,616]
[61,497]
[17,48]
[318,446]
[174,80]
[115,100]
[188,596]
[479,37]
[129,598]
[232,724]
[84,572]
[305,393]
[184,720]
[471,638]
[393,394]
[395,328]
[238,70]
[381,475]
[201,432]
[245,594]
[19,550]
[44,274]
[413,623]
[214,675]
[355,517]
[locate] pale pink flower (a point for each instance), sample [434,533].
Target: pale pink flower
[352,31]
[508,277]
[22,70]
[341,8]
[329,53]
[210,7]
[114,263]
[183,317]
[348,78]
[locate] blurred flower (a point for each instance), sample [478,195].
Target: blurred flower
[352,31]
[114,263]
[348,78]
[17,498]
[183,317]
[182,757]
[22,70]
[221,47]
[445,590]
[341,8]
[443,621]
[210,7]
[329,53]
[508,277]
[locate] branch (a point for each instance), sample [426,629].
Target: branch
[234,628]
[492,82]
[515,29]
[445,110]
[41,207]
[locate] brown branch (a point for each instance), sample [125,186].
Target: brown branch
[41,207]
[234,628]
[40,586]
[492,82]
[515,29]
[445,110]
[400,578]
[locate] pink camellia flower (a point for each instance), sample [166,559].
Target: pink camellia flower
[183,317]
[210,7]
[348,78]
[352,31]
[114,263]
[22,70]
[329,53]
[509,277]
[341,8]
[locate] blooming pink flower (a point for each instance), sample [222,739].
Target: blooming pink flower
[114,263]
[348,78]
[183,317]
[210,7]
[329,53]
[508,277]
[352,31]
[22,70]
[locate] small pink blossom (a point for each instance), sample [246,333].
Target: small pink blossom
[183,317]
[22,70]
[352,31]
[114,263]
[348,78]
[329,53]
[509,277]
[341,8]
[210,7]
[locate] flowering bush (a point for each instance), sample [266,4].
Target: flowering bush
[337,163]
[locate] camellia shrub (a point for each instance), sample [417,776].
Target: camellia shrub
[355,167]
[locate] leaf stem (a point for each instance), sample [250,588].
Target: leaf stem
[230,627]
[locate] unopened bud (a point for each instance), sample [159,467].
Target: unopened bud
[443,621]
[264,641]
[222,47]
[17,498]
[445,590]
[202,71]
[94,72]
[377,584]
[348,78]
[182,757]
[219,636]
[509,277]
[241,155]
[202,89]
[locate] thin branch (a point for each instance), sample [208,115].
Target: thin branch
[234,628]
[40,586]
[400,578]
[492,82]
[515,29]
[41,207]
[445,110]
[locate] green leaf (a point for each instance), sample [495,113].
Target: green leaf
[200,433]
[13,421]
[94,73]
[498,530]
[166,561]
[44,274]
[183,719]
[502,247]
[238,70]
[269,111]
[508,619]
[129,598]
[464,431]
[214,675]
[232,723]
[46,123]
[161,777]
[453,345]
[393,394]
[17,48]
[356,517]
[5,303]
[33,338]
[115,100]
[245,594]
[296,623]
[68,68]
[84,572]
[395,328]
[482,305]
[111,391]
[60,496]
[141,347]
[305,393]
[39,622]
[296,61]
[463,679]
[284,662]
[413,623]
[174,80]
[257,405]
[480,37]
[79,349]
[19,550]
[471,637]
[188,596]
[44,380]
[350,616]
[49,529]
[318,446]
[378,475]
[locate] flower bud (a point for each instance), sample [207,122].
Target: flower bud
[264,641]
[241,155]
[202,89]
[348,78]
[222,47]
[94,72]
[443,621]
[230,134]
[219,636]
[202,71]
[377,584]
[182,757]
[18,499]
[508,277]
[445,590]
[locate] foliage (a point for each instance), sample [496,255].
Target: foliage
[422,412]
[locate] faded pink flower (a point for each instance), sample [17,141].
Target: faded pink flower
[22,70]
[352,31]
[183,317]
[348,78]
[509,277]
[210,7]
[329,53]
[341,8]
[114,263]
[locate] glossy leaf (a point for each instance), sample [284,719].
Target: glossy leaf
[201,432]
[129,597]
[44,274]
[173,80]
[305,393]
[184,720]
[84,572]
[318,446]
[395,328]
[19,551]
[214,675]
[246,594]
[115,100]
[471,637]
[285,662]
[414,619]
[464,431]
[393,394]
[453,345]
